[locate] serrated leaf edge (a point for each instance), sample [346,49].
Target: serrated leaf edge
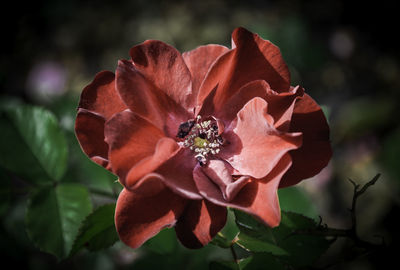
[81,228]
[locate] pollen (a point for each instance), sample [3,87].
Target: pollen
[201,137]
[200,143]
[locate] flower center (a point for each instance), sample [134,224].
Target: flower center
[201,137]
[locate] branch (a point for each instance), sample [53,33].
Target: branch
[351,233]
[357,193]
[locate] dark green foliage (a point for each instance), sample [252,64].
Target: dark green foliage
[286,243]
[97,231]
[54,215]
[35,145]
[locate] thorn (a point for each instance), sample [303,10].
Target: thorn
[320,221]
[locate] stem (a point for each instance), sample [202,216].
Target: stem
[231,247]
[234,255]
[350,233]
[328,232]
[357,193]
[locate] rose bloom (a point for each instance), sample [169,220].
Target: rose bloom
[191,134]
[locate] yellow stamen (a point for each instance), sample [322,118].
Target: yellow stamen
[200,143]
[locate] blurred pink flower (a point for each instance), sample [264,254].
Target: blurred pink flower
[46,81]
[190,134]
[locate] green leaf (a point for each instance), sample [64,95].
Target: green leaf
[163,243]
[286,241]
[32,144]
[294,199]
[221,241]
[259,245]
[230,230]
[263,261]
[223,265]
[5,190]
[304,249]
[54,215]
[225,237]
[97,231]
[246,221]
[255,236]
[244,262]
[256,261]
[252,227]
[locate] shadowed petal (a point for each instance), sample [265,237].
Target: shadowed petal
[252,58]
[163,66]
[148,101]
[99,101]
[199,223]
[235,103]
[164,150]
[316,151]
[199,61]
[263,57]
[138,218]
[101,97]
[221,174]
[258,197]
[149,185]
[281,105]
[255,146]
[89,129]
[177,174]
[131,139]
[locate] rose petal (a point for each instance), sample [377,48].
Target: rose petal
[177,174]
[149,185]
[164,67]
[221,174]
[164,150]
[281,105]
[235,103]
[99,101]
[148,101]
[138,218]
[263,57]
[131,139]
[102,162]
[214,84]
[255,146]
[200,222]
[89,129]
[259,197]
[101,97]
[252,58]
[316,151]
[199,61]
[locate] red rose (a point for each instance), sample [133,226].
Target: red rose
[190,134]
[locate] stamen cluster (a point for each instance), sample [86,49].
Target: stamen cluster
[201,137]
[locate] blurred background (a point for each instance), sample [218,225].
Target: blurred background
[342,53]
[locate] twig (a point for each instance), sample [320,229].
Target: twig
[231,247]
[357,193]
[234,255]
[351,233]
